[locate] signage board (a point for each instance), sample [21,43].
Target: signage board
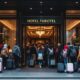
[42,20]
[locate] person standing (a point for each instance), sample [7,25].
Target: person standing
[33,52]
[65,55]
[4,54]
[58,51]
[40,54]
[46,46]
[17,55]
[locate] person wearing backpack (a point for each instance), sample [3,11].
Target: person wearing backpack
[50,52]
[17,55]
[51,57]
[65,55]
[73,54]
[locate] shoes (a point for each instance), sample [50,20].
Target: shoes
[4,68]
[65,70]
[79,69]
[40,66]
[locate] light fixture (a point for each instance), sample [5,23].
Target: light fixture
[51,8]
[40,32]
[5,2]
[31,8]
[41,6]
[76,2]
[41,2]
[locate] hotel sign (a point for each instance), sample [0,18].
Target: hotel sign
[41,21]
[44,20]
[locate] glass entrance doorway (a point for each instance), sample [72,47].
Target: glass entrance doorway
[36,38]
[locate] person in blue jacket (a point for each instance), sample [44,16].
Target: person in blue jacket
[16,51]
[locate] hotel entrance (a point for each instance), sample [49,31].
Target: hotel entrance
[39,36]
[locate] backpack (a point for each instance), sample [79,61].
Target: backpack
[16,51]
[64,53]
[50,51]
[72,52]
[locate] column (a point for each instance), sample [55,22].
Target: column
[63,28]
[19,33]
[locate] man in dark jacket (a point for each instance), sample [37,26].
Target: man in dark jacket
[33,52]
[58,52]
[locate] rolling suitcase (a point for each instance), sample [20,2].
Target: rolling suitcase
[75,66]
[51,62]
[10,63]
[1,66]
[60,67]
[70,67]
[31,63]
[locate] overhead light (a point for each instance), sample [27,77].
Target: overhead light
[51,8]
[30,8]
[5,2]
[41,2]
[40,33]
[76,2]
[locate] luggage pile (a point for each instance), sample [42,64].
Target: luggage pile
[68,61]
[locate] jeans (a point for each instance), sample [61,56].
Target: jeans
[17,59]
[65,62]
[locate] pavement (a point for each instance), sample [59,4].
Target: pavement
[37,74]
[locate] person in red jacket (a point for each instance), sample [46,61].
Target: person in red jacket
[66,47]
[65,53]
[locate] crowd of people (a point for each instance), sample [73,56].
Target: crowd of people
[43,55]
[65,54]
[10,56]
[39,53]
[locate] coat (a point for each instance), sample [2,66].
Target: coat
[16,51]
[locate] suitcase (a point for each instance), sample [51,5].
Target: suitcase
[31,62]
[51,62]
[10,63]
[70,67]
[1,66]
[75,66]
[60,67]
